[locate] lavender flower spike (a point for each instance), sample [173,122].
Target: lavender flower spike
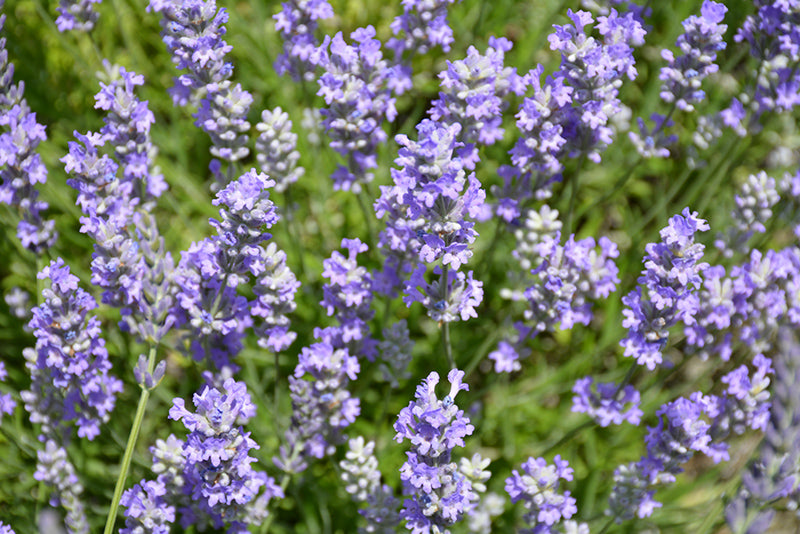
[297,22]
[276,149]
[666,292]
[439,495]
[69,365]
[538,489]
[76,15]
[217,471]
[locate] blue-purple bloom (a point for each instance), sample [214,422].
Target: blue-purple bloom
[54,469]
[439,495]
[21,167]
[147,510]
[355,88]
[70,381]
[667,289]
[76,15]
[348,297]
[297,22]
[610,405]
[473,96]
[193,31]
[322,406]
[217,472]
[538,489]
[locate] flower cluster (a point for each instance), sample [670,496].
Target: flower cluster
[348,297]
[569,114]
[129,262]
[21,167]
[395,353]
[430,219]
[355,86]
[538,489]
[754,202]
[611,404]
[362,478]
[422,25]
[667,289]
[217,471]
[699,423]
[297,22]
[774,40]
[321,406]
[749,306]
[70,381]
[567,278]
[193,31]
[54,469]
[76,15]
[473,96]
[214,314]
[276,149]
[683,76]
[773,474]
[439,495]
[490,504]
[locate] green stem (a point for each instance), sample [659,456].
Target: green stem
[573,195]
[128,455]
[448,350]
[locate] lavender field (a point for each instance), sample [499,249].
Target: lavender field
[427,266]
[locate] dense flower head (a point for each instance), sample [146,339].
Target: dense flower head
[473,96]
[348,297]
[610,404]
[439,495]
[21,167]
[698,45]
[193,31]
[422,26]
[246,210]
[322,406]
[749,306]
[445,300]
[217,471]
[54,469]
[538,489]
[754,201]
[276,149]
[594,69]
[774,40]
[296,23]
[275,289]
[69,365]
[355,88]
[147,510]
[559,292]
[667,289]
[773,473]
[76,15]
[396,353]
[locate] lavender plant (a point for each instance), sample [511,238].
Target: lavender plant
[517,197]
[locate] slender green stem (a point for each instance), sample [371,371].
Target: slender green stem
[128,455]
[573,195]
[293,229]
[568,436]
[448,350]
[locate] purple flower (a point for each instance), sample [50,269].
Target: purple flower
[297,22]
[21,167]
[348,297]
[538,489]
[699,44]
[70,381]
[322,407]
[54,469]
[147,510]
[458,296]
[7,402]
[422,25]
[439,495]
[355,88]
[607,406]
[76,15]
[217,471]
[666,292]
[193,31]
[472,96]
[754,202]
